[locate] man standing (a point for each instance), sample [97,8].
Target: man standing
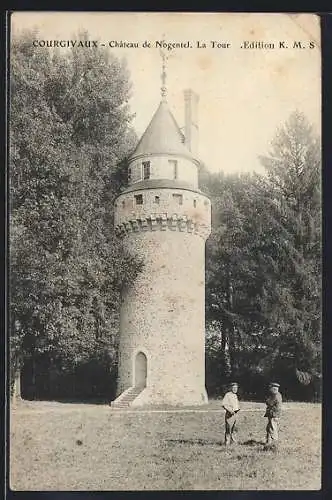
[230,403]
[273,411]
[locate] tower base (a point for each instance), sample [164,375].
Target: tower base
[137,397]
[149,396]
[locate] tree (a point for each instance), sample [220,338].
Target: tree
[70,127]
[293,169]
[233,284]
[263,264]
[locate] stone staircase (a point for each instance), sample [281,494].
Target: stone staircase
[126,398]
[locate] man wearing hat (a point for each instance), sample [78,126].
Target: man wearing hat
[230,403]
[273,411]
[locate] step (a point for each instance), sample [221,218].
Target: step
[126,400]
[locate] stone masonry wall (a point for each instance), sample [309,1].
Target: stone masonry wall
[163,311]
[162,315]
[164,204]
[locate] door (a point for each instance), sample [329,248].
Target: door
[140,370]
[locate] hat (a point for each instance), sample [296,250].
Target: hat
[231,384]
[274,384]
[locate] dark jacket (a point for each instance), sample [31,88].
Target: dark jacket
[273,406]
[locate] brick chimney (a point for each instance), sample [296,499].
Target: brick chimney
[191,121]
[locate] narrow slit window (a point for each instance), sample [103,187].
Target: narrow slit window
[146,170]
[157,199]
[195,203]
[123,204]
[129,174]
[178,198]
[174,166]
[139,199]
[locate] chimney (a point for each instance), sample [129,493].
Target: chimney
[191,121]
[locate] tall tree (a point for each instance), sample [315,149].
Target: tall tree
[294,171]
[70,126]
[263,263]
[234,281]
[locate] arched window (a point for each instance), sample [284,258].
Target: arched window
[140,369]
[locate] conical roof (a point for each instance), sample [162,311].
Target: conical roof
[162,136]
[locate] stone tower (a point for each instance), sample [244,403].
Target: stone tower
[165,220]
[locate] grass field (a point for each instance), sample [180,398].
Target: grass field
[58,446]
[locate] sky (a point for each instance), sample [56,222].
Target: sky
[245,94]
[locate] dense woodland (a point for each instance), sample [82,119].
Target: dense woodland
[70,135]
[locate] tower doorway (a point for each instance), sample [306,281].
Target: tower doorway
[140,370]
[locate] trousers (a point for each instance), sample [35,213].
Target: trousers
[272,429]
[230,428]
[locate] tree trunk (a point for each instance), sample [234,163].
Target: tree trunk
[17,386]
[33,378]
[225,352]
[229,353]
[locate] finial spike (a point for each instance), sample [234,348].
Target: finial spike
[163,76]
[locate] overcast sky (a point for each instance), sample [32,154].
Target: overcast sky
[244,94]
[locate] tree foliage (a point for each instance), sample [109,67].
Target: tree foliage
[69,128]
[264,264]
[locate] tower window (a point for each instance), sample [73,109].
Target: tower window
[174,166]
[139,199]
[129,174]
[123,204]
[178,198]
[157,199]
[195,203]
[146,170]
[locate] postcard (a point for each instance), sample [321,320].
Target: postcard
[165,251]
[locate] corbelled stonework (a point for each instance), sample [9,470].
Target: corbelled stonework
[161,222]
[192,215]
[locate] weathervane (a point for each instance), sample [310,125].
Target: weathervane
[163,76]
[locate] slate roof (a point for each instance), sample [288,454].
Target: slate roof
[162,136]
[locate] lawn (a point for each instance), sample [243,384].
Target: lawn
[58,446]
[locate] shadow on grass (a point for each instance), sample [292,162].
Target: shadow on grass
[253,442]
[272,447]
[201,442]
[82,401]
[206,442]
